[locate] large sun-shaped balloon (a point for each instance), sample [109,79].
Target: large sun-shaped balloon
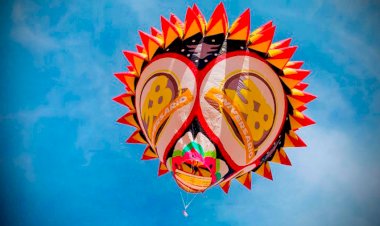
[214,102]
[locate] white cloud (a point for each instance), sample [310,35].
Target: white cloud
[335,164]
[24,161]
[354,54]
[85,73]
[332,103]
[328,180]
[32,36]
[375,105]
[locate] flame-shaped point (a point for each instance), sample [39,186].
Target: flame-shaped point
[246,180]
[240,29]
[218,23]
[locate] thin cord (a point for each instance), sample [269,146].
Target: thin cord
[191,200]
[183,201]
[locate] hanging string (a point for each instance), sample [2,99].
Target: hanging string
[188,204]
[185,203]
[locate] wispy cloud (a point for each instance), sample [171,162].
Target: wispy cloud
[24,161]
[330,179]
[30,30]
[83,88]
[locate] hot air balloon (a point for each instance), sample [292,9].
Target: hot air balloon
[214,102]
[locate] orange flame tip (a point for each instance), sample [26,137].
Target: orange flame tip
[127,79]
[162,169]
[136,60]
[155,32]
[281,44]
[241,27]
[149,154]
[262,41]
[245,180]
[218,22]
[126,100]
[263,27]
[280,57]
[200,16]
[281,157]
[225,185]
[301,86]
[192,24]
[265,171]
[170,32]
[151,44]
[129,119]
[298,120]
[292,140]
[136,138]
[302,96]
[140,49]
[301,108]
[294,64]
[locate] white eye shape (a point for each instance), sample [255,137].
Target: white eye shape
[243,103]
[165,96]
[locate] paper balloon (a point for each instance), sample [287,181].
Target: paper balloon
[214,102]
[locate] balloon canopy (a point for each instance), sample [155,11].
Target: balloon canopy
[214,102]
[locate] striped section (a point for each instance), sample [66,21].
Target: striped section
[149,154]
[136,138]
[129,119]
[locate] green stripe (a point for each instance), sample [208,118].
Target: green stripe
[210,153]
[194,145]
[177,153]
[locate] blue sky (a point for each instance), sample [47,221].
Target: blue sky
[63,157]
